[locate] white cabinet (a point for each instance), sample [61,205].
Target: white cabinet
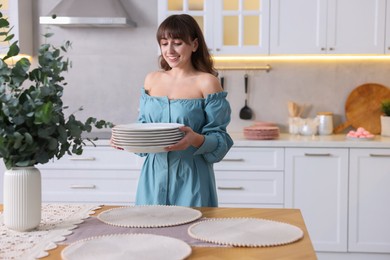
[100,175]
[387,42]
[369,208]
[327,26]
[251,177]
[317,184]
[19,13]
[229,26]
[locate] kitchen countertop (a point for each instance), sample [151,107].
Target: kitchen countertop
[288,140]
[301,249]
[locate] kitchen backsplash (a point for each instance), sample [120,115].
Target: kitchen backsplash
[109,66]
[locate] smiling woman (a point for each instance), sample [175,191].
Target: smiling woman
[187,92]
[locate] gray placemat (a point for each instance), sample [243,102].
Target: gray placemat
[94,227]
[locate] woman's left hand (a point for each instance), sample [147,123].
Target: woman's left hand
[190,138]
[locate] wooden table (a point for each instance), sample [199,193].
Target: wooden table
[302,249]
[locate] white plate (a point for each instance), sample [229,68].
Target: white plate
[145,127]
[127,246]
[245,232]
[147,138]
[144,149]
[147,134]
[143,144]
[149,216]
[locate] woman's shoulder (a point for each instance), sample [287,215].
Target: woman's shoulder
[152,78]
[209,84]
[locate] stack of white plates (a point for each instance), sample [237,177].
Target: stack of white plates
[146,137]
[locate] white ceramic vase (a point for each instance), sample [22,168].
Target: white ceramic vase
[385,125]
[22,198]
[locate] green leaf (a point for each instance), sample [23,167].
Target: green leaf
[43,113]
[12,51]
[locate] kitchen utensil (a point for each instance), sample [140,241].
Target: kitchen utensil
[222,82]
[246,112]
[292,109]
[362,108]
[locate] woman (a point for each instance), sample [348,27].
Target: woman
[188,92]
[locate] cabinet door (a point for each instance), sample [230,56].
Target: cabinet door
[317,184]
[241,27]
[387,42]
[369,208]
[356,27]
[229,26]
[327,27]
[201,10]
[298,27]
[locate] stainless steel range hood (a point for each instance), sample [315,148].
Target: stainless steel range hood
[89,13]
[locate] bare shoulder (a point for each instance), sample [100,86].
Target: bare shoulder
[152,78]
[209,84]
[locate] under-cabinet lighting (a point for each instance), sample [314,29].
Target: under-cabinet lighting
[299,57]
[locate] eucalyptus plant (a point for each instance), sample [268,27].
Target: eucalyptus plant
[385,106]
[33,126]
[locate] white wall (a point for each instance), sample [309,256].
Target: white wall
[109,66]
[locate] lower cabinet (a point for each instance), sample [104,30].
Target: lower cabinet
[251,177]
[317,184]
[369,206]
[100,175]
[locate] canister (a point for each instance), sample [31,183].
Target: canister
[325,126]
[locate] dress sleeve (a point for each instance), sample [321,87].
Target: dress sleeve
[217,141]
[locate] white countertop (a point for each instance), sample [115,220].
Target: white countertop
[287,140]
[336,140]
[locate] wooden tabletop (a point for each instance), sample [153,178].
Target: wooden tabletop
[302,249]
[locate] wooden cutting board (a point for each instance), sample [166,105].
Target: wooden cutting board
[363,107]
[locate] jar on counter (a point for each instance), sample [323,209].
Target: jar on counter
[325,126]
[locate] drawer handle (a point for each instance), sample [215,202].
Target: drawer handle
[233,160]
[317,154]
[230,188]
[379,155]
[82,158]
[83,186]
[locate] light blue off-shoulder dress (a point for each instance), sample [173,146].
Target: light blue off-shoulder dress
[185,178]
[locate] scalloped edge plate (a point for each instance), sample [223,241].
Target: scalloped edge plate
[127,246]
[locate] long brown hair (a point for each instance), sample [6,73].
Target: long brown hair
[185,27]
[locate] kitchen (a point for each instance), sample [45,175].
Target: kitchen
[114,62]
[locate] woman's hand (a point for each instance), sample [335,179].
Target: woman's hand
[190,138]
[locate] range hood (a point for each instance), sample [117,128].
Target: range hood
[88,13]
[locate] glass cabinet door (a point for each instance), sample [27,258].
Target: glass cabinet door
[201,10]
[242,24]
[229,26]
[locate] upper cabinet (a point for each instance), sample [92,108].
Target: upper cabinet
[387,43]
[229,26]
[19,13]
[328,26]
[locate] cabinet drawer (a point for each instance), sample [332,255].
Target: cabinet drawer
[89,186]
[243,158]
[249,187]
[97,158]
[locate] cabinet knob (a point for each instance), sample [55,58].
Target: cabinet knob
[331,49]
[388,48]
[323,49]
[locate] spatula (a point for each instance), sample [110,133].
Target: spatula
[246,112]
